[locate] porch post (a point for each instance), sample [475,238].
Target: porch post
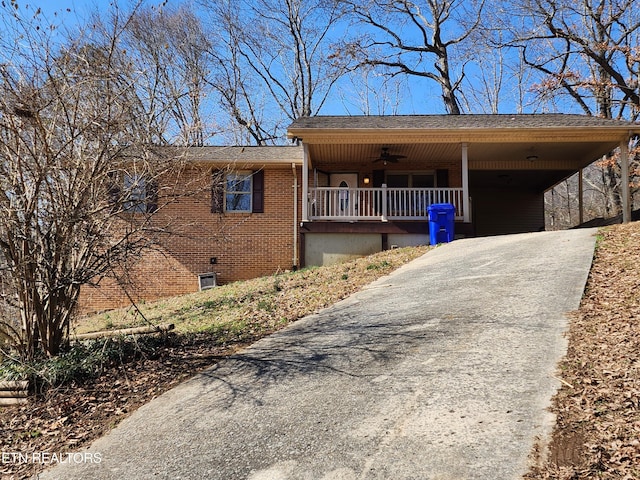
[624,174]
[465,184]
[384,198]
[305,182]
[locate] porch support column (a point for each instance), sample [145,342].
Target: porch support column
[305,182]
[465,184]
[624,180]
[384,199]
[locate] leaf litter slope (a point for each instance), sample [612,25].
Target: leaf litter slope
[597,433]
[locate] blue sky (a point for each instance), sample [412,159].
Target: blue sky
[416,95]
[419,95]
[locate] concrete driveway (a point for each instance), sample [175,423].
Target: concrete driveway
[442,370]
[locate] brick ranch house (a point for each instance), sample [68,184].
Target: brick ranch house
[354,185]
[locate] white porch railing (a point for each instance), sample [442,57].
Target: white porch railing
[351,204]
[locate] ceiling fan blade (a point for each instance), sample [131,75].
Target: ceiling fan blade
[385,156]
[386,160]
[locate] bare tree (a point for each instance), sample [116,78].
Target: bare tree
[369,91]
[273,53]
[288,50]
[488,83]
[173,61]
[497,78]
[231,77]
[586,49]
[561,204]
[415,39]
[79,174]
[586,55]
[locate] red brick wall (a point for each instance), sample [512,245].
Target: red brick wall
[245,245]
[154,276]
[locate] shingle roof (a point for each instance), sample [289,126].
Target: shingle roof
[448,122]
[248,154]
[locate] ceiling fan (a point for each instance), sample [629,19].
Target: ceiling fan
[386,157]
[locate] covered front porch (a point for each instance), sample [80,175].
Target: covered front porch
[388,182]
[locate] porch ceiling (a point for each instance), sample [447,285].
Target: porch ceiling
[337,156]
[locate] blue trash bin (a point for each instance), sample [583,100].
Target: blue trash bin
[441,222]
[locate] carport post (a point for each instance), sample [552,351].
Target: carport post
[465,184]
[580,197]
[624,173]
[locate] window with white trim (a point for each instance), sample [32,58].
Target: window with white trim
[135,193]
[237,192]
[241,191]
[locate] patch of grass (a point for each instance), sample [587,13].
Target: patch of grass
[227,332]
[108,324]
[378,266]
[217,303]
[277,284]
[266,305]
[271,301]
[30,434]
[599,240]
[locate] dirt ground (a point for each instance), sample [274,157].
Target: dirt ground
[69,418]
[597,434]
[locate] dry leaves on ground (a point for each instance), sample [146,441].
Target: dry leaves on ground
[598,408]
[597,432]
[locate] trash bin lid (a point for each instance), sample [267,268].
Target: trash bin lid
[443,207]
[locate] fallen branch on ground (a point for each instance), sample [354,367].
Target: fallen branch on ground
[125,331]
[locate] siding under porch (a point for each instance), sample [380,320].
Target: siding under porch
[327,242]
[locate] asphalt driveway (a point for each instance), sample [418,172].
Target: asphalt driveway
[442,370]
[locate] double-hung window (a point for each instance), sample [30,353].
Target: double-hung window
[239,191]
[133,193]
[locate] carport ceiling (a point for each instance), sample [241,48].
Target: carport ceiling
[524,180]
[540,155]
